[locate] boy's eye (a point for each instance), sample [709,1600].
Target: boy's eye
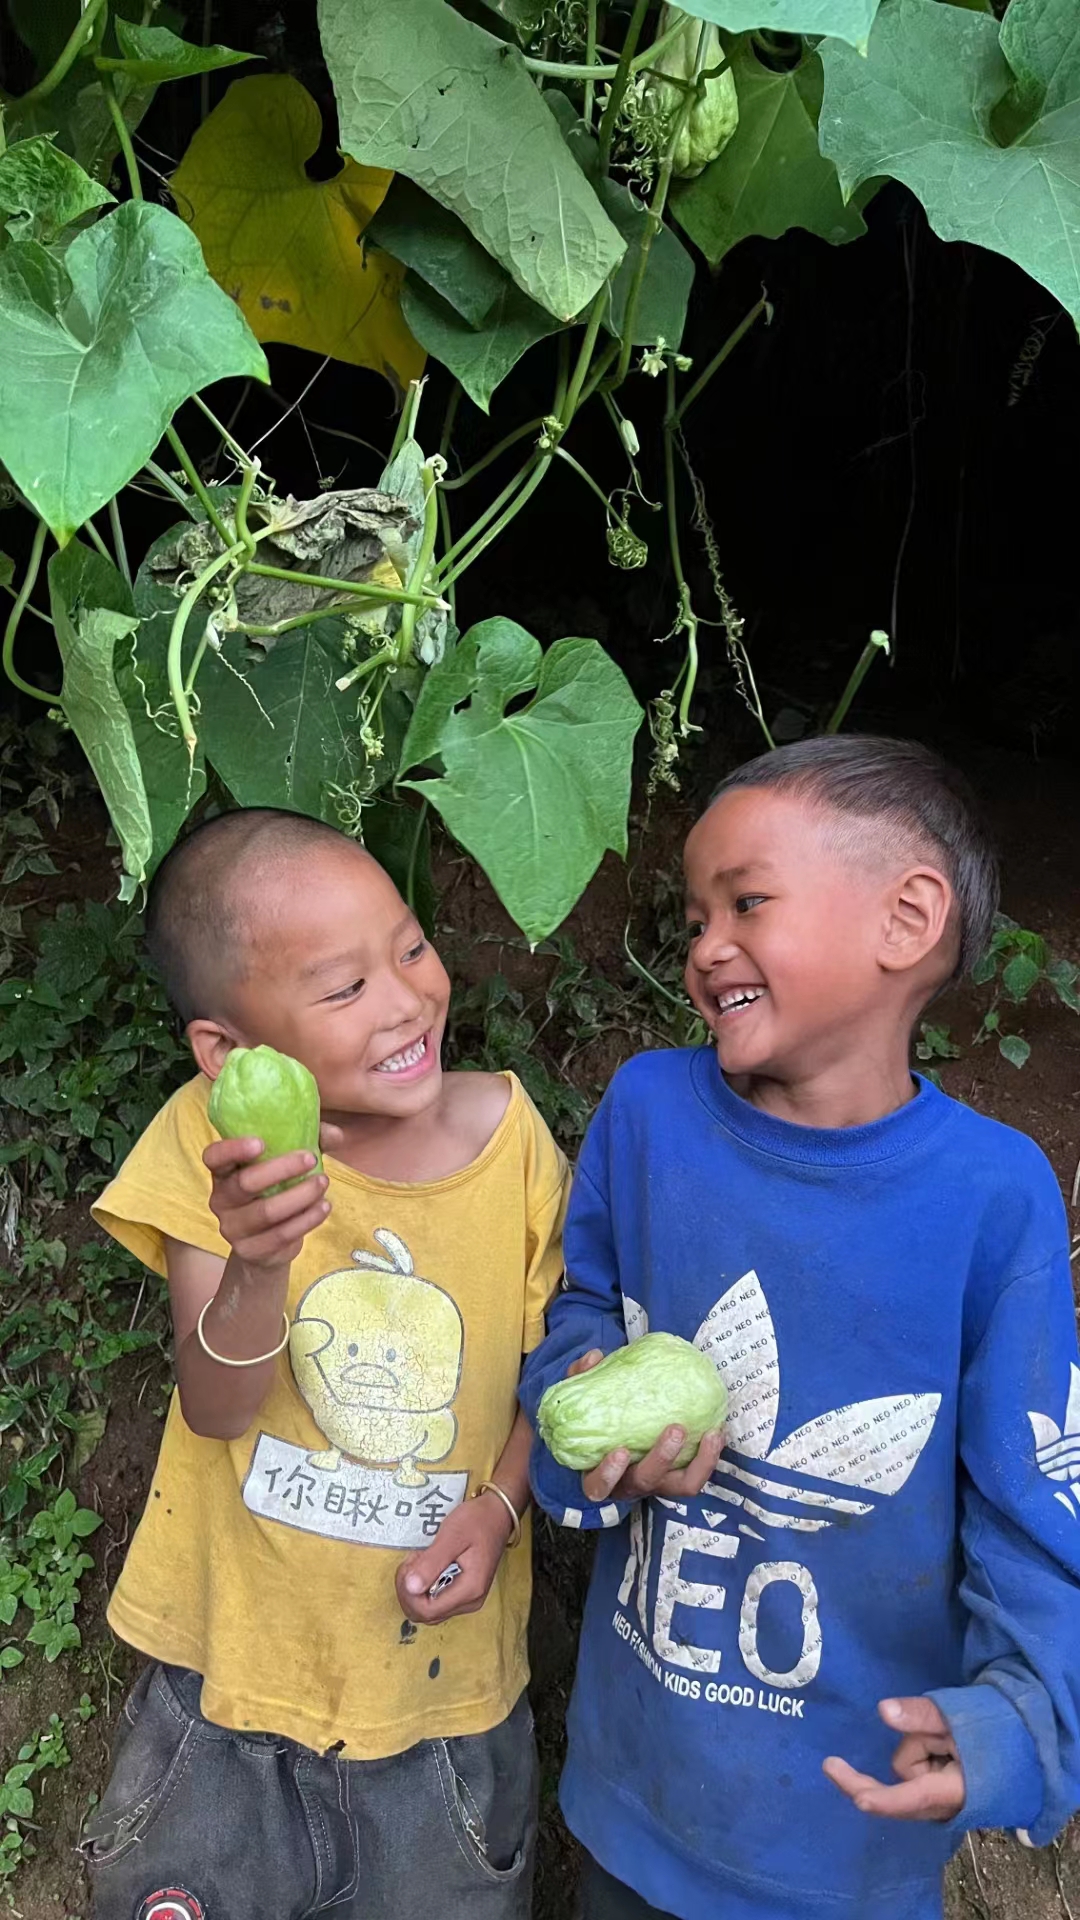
[347,993]
[415,952]
[695,929]
[746,902]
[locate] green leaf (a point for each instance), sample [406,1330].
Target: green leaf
[928,106]
[44,189]
[114,335]
[438,247]
[7,570]
[1016,1051]
[404,480]
[480,357]
[85,1522]
[771,175]
[20,1803]
[277,730]
[153,54]
[391,829]
[1063,975]
[94,707]
[538,795]
[669,275]
[424,91]
[11,1657]
[849,20]
[89,1430]
[1020,975]
[171,781]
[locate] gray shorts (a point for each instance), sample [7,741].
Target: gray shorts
[200,1823]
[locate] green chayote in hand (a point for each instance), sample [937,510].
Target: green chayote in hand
[262,1093]
[630,1399]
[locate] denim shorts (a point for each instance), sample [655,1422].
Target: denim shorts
[201,1823]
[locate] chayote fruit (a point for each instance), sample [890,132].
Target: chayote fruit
[713,117]
[628,1400]
[269,1095]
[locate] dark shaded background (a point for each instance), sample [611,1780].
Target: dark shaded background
[895,450]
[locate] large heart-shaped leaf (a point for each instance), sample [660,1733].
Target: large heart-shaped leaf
[285,247]
[771,175]
[431,95]
[97,351]
[44,190]
[923,107]
[537,795]
[849,20]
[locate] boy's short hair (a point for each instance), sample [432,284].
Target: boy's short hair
[196,909]
[898,785]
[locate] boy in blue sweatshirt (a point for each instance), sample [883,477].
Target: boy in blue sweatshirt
[874,1571]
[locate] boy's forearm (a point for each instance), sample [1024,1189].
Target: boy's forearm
[245,1318]
[512,1468]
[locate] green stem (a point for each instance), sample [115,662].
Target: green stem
[166,480]
[118,539]
[877,643]
[419,571]
[96,540]
[362,589]
[447,534]
[599,373]
[562,380]
[508,440]
[384,658]
[493,532]
[565,70]
[243,501]
[36,611]
[578,377]
[590,61]
[718,359]
[16,614]
[177,688]
[621,82]
[407,423]
[449,417]
[80,36]
[274,630]
[197,485]
[414,855]
[687,616]
[655,217]
[240,454]
[643,61]
[489,512]
[108,87]
[584,474]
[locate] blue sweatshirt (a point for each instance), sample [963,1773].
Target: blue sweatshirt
[896,1510]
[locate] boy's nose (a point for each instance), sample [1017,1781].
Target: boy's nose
[713,949]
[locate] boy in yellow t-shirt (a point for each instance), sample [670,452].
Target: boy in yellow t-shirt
[328,1722]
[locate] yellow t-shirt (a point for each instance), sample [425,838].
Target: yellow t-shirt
[267,1564]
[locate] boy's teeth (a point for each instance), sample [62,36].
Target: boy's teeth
[408,1058]
[745,997]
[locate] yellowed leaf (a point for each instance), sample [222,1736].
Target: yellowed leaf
[288,248]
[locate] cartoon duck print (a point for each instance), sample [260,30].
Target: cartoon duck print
[376,1352]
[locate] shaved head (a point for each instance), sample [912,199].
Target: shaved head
[215,897]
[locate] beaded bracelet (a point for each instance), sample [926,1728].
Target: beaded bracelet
[256,1359]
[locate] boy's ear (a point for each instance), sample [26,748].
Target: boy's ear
[918,912]
[210,1043]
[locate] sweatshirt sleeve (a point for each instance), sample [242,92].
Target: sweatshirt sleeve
[1017,1721]
[587,1312]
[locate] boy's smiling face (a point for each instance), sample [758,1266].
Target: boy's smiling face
[802,958]
[337,972]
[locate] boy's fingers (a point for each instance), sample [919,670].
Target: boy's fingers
[659,1461]
[222,1156]
[282,1243]
[691,1479]
[599,1484]
[254,1180]
[587,1361]
[918,1715]
[931,1796]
